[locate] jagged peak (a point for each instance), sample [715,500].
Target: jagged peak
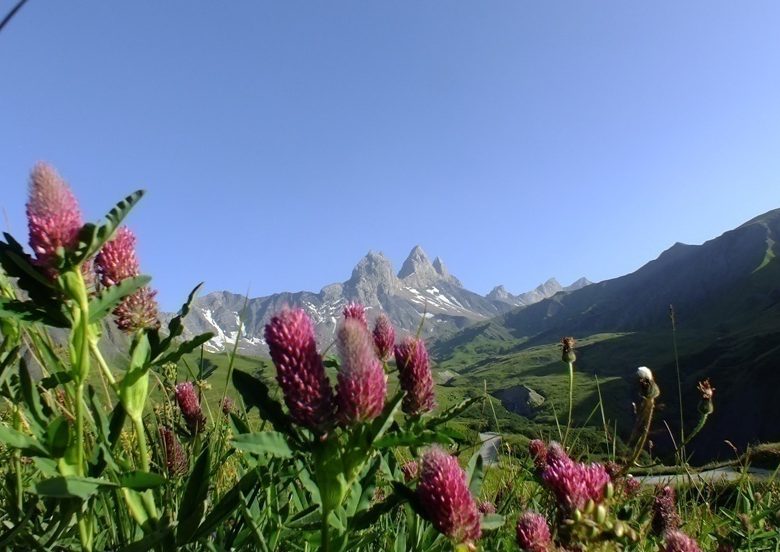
[439,267]
[417,261]
[578,284]
[372,263]
[499,292]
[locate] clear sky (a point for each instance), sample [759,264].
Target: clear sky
[280,141]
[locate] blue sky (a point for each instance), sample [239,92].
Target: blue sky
[280,141]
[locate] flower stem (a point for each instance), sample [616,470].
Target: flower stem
[571,401]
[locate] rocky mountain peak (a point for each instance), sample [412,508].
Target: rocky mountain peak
[416,263]
[578,284]
[372,275]
[499,293]
[438,266]
[550,287]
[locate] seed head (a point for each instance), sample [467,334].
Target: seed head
[138,311]
[299,369]
[384,337]
[445,496]
[533,533]
[53,216]
[567,349]
[414,373]
[362,383]
[486,507]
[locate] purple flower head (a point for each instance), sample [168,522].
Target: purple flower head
[188,402]
[533,533]
[411,470]
[486,507]
[446,499]
[138,311]
[173,454]
[53,216]
[117,260]
[384,337]
[414,373]
[299,369]
[677,541]
[631,486]
[572,483]
[538,451]
[356,311]
[665,516]
[362,386]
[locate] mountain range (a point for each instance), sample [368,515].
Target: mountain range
[420,290]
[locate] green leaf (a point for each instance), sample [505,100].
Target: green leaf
[405,494]
[271,443]
[141,480]
[30,394]
[366,518]
[383,422]
[71,487]
[193,503]
[184,348]
[227,505]
[58,436]
[92,237]
[18,440]
[475,473]
[30,312]
[176,326]
[108,298]
[150,541]
[18,264]
[57,378]
[412,439]
[237,424]
[256,393]
[492,521]
[453,411]
[309,518]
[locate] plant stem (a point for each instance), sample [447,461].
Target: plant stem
[679,382]
[571,401]
[140,432]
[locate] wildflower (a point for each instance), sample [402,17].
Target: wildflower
[414,374]
[647,386]
[299,369]
[677,541]
[644,373]
[356,311]
[446,499]
[53,216]
[362,386]
[228,405]
[572,483]
[665,516]
[411,470]
[190,408]
[538,451]
[486,507]
[706,389]
[138,311]
[384,337]
[631,486]
[533,533]
[117,262]
[173,453]
[567,349]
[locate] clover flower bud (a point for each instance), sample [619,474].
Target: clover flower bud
[665,516]
[414,374]
[117,262]
[677,541]
[384,337]
[53,217]
[189,404]
[356,311]
[173,454]
[533,533]
[299,369]
[228,405]
[445,497]
[362,383]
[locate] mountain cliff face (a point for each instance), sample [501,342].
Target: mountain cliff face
[421,289]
